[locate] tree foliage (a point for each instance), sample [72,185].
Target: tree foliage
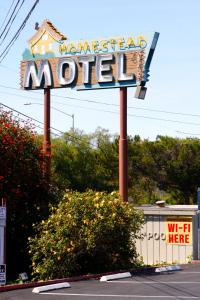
[178,167]
[87,233]
[167,167]
[22,186]
[83,161]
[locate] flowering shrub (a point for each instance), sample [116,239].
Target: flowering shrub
[20,158]
[88,232]
[21,185]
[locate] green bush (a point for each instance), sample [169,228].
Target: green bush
[88,232]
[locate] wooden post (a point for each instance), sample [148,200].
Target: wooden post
[47,133]
[123,146]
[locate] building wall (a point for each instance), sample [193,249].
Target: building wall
[155,247]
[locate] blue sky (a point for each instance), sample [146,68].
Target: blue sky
[174,72]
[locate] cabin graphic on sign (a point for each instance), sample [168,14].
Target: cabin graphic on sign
[44,43]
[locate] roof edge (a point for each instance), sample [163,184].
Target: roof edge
[47,25]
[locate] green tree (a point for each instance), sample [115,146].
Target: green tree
[83,161]
[106,152]
[179,173]
[169,165]
[142,172]
[73,162]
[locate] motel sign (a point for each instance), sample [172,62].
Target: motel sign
[53,61]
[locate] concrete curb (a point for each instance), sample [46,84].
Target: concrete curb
[50,287]
[116,276]
[137,271]
[167,269]
[195,262]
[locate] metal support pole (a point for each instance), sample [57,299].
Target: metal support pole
[123,146]
[4,204]
[198,198]
[47,136]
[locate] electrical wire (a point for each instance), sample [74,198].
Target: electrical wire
[30,117]
[136,116]
[56,109]
[7,14]
[187,133]
[62,132]
[35,125]
[68,134]
[6,33]
[8,68]
[12,41]
[165,120]
[97,102]
[15,8]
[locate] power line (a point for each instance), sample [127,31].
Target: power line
[129,107]
[133,115]
[7,14]
[71,136]
[58,96]
[8,68]
[62,112]
[10,44]
[56,109]
[188,133]
[102,103]
[15,8]
[35,125]
[6,33]
[165,120]
[30,117]
[138,116]
[144,117]
[62,132]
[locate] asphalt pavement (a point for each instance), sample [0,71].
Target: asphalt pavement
[184,284]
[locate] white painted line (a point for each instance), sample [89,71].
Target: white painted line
[154,282]
[122,296]
[50,287]
[192,272]
[116,276]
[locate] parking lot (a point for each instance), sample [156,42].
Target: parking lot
[184,284]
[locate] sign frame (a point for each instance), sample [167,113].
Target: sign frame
[120,62]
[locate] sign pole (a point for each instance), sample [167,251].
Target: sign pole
[4,204]
[47,136]
[123,146]
[3,221]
